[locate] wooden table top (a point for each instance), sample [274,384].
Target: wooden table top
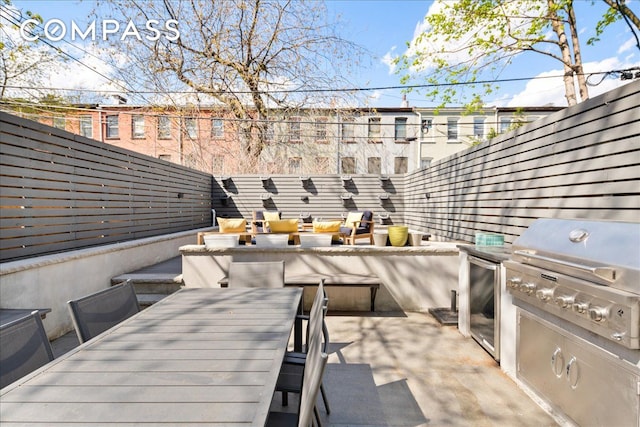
[201,355]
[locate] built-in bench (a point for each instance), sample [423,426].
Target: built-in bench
[342,279]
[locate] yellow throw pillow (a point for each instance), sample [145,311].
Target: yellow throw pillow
[284,226]
[232,225]
[353,217]
[271,216]
[326,226]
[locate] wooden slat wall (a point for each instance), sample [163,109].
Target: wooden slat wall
[60,191]
[323,193]
[579,163]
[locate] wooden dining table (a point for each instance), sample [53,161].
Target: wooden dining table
[205,356]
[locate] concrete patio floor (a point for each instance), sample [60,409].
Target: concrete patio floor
[405,369]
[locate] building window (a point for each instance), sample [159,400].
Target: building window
[505,124]
[478,128]
[425,126]
[400,165]
[321,129]
[294,129]
[347,130]
[295,165]
[452,129]
[164,127]
[374,129]
[112,127]
[166,157]
[191,127]
[86,126]
[322,164]
[348,165]
[59,122]
[374,165]
[425,162]
[137,127]
[217,128]
[400,130]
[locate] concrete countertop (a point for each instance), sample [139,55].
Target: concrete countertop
[427,248]
[490,253]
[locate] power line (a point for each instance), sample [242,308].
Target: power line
[18,23]
[353,89]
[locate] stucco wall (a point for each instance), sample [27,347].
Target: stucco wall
[50,281]
[413,278]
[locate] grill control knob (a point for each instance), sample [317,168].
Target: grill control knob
[528,287]
[564,301]
[580,307]
[598,314]
[514,282]
[544,294]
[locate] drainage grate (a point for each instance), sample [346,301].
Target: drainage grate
[445,315]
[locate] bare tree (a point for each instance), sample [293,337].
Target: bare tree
[246,55]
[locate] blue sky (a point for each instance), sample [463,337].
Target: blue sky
[385,26]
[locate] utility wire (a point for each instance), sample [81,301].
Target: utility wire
[354,89]
[73,58]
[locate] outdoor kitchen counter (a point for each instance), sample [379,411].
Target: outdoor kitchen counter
[413,278]
[430,248]
[506,318]
[495,254]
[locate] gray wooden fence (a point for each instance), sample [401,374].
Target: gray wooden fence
[60,191]
[314,196]
[579,163]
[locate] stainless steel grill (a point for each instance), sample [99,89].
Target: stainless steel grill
[585,272]
[577,288]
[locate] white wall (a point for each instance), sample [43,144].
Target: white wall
[413,278]
[50,281]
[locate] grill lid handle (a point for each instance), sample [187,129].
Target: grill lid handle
[606,273]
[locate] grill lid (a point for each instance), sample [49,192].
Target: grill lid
[607,253]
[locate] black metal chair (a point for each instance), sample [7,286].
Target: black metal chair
[24,347]
[292,370]
[313,371]
[102,310]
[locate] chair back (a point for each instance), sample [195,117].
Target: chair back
[24,348]
[256,274]
[257,224]
[102,310]
[316,327]
[316,361]
[367,220]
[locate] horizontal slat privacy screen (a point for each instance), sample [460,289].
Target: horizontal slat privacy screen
[579,163]
[313,196]
[60,191]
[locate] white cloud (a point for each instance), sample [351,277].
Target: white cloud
[389,60]
[629,44]
[543,91]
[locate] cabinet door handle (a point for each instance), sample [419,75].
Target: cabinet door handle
[557,362]
[573,372]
